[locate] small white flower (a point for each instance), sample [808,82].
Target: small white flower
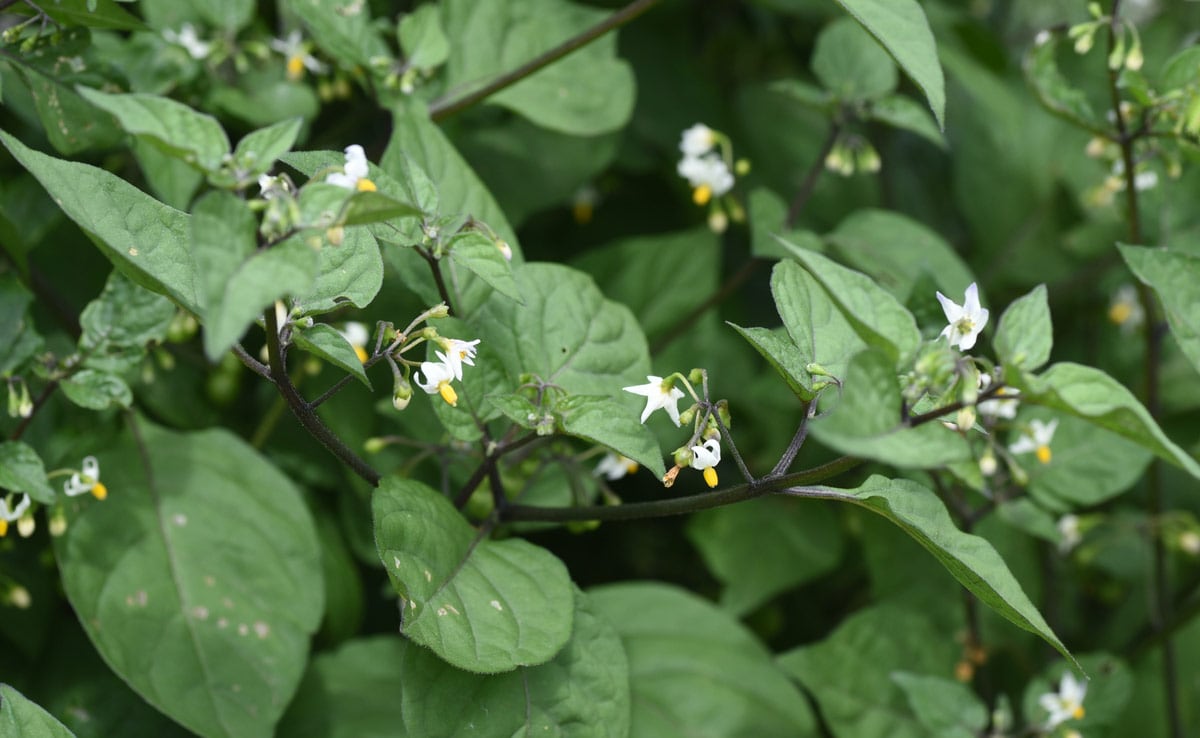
[438,375]
[189,40]
[657,395]
[268,186]
[709,176]
[86,481]
[8,515]
[996,407]
[1036,438]
[966,321]
[1068,529]
[458,353]
[357,335]
[615,466]
[697,141]
[705,458]
[296,50]
[1125,309]
[354,172]
[1065,704]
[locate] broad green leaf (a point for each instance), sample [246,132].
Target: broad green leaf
[258,150]
[208,554]
[1088,465]
[783,356]
[70,122]
[344,31]
[18,339]
[480,254]
[1025,335]
[1173,277]
[875,315]
[868,421]
[901,26]
[387,687]
[422,39]
[105,14]
[901,112]
[607,422]
[1055,92]
[193,136]
[363,208]
[21,470]
[849,673]
[898,251]
[850,63]
[1089,393]
[145,239]
[566,333]
[814,322]
[228,14]
[21,718]
[949,709]
[484,606]
[695,671]
[351,273]
[223,237]
[328,343]
[169,178]
[805,543]
[119,323]
[588,92]
[970,559]
[96,390]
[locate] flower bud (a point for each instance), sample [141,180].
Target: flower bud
[19,597]
[987,463]
[687,416]
[723,413]
[26,525]
[335,235]
[374,445]
[682,457]
[58,522]
[401,394]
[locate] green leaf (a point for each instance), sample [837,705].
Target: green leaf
[169,178]
[363,208]
[1173,277]
[814,322]
[901,112]
[105,14]
[21,470]
[348,274]
[607,422]
[479,253]
[949,709]
[849,673]
[18,339]
[1025,336]
[119,324]
[1091,394]
[901,27]
[145,239]
[783,356]
[195,137]
[850,63]
[805,542]
[328,343]
[422,39]
[96,390]
[385,686]
[21,718]
[970,559]
[695,671]
[566,333]
[228,14]
[70,123]
[1089,465]
[484,606]
[874,314]
[343,31]
[1110,685]
[868,421]
[198,579]
[258,150]
[588,92]
[1055,92]
[768,227]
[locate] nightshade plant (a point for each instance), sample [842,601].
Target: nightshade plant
[334,335]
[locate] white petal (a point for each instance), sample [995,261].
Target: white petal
[951,308]
[971,300]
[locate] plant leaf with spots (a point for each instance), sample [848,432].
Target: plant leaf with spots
[484,606]
[197,579]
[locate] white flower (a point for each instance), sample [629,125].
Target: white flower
[657,395]
[966,321]
[1065,704]
[1068,528]
[1036,438]
[86,481]
[187,38]
[437,380]
[8,515]
[708,175]
[697,141]
[295,49]
[505,249]
[354,172]
[614,466]
[1126,309]
[997,407]
[458,353]
[357,335]
[705,458]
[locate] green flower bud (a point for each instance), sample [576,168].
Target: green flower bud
[682,457]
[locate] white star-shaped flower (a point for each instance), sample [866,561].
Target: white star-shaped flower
[438,375]
[458,353]
[1036,438]
[615,466]
[705,458]
[708,175]
[189,40]
[296,50]
[997,407]
[88,480]
[1065,704]
[354,172]
[657,395]
[697,141]
[8,515]
[966,320]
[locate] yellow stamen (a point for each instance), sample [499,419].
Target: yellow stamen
[1120,312]
[710,476]
[3,527]
[1077,713]
[582,212]
[365,185]
[295,67]
[99,491]
[1043,454]
[631,467]
[702,194]
[361,353]
[448,394]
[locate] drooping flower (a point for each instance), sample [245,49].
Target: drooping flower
[1065,704]
[708,175]
[9,514]
[697,141]
[354,172]
[187,37]
[705,458]
[658,393]
[357,335]
[438,375]
[458,353]
[86,481]
[966,320]
[1004,405]
[615,466]
[1036,438]
[296,50]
